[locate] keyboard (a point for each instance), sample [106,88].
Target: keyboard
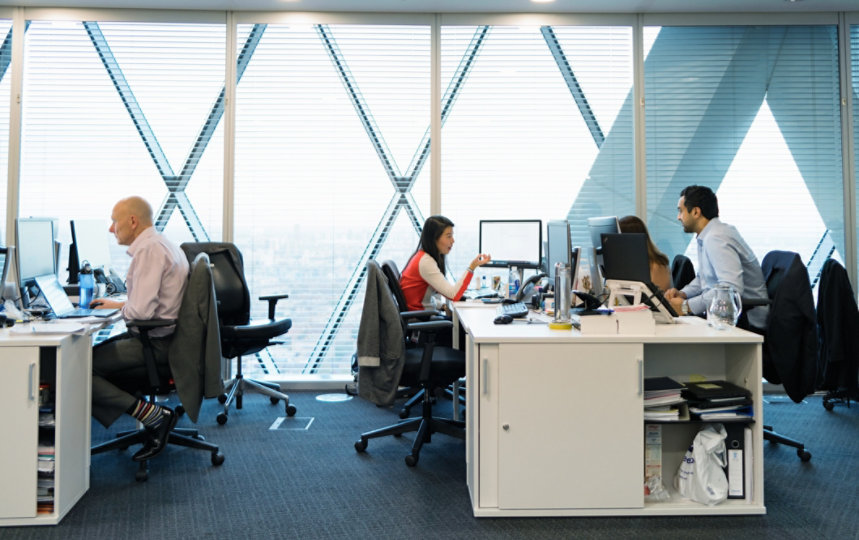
[515,310]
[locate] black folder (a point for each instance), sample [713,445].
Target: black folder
[717,391]
[734,443]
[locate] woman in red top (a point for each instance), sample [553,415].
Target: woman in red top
[423,276]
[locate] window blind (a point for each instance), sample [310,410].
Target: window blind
[753,113]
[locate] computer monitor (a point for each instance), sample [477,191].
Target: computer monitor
[625,257]
[5,257]
[512,242]
[90,243]
[599,226]
[558,248]
[36,255]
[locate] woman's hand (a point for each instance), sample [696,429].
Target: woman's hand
[480,260]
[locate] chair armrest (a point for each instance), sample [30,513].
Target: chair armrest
[432,326]
[272,302]
[144,327]
[424,314]
[755,302]
[150,324]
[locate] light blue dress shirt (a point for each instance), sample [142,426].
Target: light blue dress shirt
[725,258]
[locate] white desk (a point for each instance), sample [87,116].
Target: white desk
[555,425]
[64,362]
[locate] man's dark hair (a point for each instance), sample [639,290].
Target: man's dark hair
[702,197]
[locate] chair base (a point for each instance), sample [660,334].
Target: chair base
[774,437]
[425,426]
[843,396]
[236,388]
[187,437]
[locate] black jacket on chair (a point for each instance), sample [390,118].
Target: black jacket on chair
[838,322]
[790,347]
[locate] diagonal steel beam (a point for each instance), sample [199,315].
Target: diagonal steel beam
[573,84]
[358,101]
[128,99]
[402,199]
[6,50]
[180,182]
[447,100]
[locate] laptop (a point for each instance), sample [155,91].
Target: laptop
[60,304]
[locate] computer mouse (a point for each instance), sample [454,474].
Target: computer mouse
[503,319]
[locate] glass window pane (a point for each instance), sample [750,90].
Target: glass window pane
[326,118]
[5,87]
[540,127]
[753,113]
[118,109]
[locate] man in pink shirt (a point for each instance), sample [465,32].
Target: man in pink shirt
[155,283]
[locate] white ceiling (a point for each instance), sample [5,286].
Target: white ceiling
[466,6]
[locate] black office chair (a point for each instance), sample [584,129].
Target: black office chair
[240,336]
[790,337]
[838,322]
[429,367]
[198,379]
[682,271]
[413,395]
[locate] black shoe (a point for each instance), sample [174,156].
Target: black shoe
[157,440]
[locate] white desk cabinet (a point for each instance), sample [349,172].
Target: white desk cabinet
[554,420]
[64,362]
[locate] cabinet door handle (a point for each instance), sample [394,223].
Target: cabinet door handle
[485,377]
[640,376]
[32,382]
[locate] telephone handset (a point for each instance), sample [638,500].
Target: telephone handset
[530,281]
[592,303]
[114,283]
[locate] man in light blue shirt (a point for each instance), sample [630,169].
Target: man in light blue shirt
[724,258]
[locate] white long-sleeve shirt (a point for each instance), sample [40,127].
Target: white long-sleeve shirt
[156,279]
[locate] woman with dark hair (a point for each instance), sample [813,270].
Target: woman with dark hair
[660,275]
[423,276]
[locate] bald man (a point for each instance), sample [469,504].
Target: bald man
[156,279]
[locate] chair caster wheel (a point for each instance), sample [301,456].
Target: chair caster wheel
[804,455]
[217,459]
[360,446]
[180,410]
[273,400]
[222,399]
[828,405]
[141,476]
[291,410]
[404,414]
[222,418]
[411,460]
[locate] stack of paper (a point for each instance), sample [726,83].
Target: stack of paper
[718,400]
[663,400]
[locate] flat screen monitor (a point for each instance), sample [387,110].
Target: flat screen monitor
[625,257]
[558,248]
[512,242]
[599,226]
[34,240]
[5,258]
[90,243]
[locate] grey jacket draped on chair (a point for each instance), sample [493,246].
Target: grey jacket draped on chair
[195,350]
[380,341]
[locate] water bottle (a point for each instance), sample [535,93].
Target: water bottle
[87,284]
[484,283]
[513,283]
